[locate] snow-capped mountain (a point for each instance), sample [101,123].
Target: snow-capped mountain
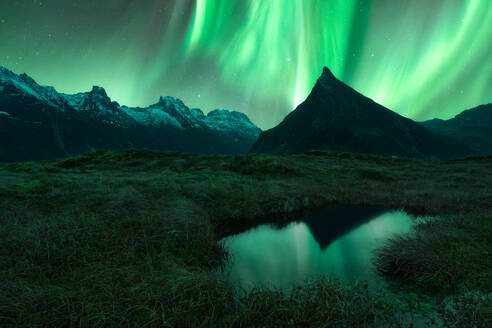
[37,122]
[171,111]
[225,121]
[23,85]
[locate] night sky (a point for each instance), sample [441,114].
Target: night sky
[421,58]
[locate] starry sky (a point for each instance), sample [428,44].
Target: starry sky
[421,58]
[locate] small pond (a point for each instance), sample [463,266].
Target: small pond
[337,243]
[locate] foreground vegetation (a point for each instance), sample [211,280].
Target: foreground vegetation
[130,239]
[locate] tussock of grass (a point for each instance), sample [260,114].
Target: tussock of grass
[130,239]
[320,303]
[441,256]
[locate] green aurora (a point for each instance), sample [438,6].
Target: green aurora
[421,58]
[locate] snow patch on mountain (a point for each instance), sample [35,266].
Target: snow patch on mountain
[229,121]
[188,118]
[172,111]
[24,85]
[152,116]
[76,101]
[96,104]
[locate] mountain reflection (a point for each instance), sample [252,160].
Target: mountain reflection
[335,243]
[330,224]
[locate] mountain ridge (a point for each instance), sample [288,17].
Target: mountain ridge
[472,127]
[70,124]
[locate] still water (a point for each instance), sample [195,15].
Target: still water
[337,243]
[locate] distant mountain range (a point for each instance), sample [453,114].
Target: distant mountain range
[336,117]
[37,122]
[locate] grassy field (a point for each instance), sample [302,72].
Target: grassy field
[130,239]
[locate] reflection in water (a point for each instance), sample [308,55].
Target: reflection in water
[333,223]
[337,243]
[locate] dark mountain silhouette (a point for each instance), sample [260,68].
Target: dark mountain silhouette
[473,127]
[37,122]
[336,117]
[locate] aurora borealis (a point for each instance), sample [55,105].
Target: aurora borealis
[423,59]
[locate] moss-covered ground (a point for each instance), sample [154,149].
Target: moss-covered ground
[130,239]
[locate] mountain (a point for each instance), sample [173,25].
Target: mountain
[336,117]
[472,127]
[37,122]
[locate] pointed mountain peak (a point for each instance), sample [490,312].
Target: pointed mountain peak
[327,79]
[166,101]
[327,74]
[162,99]
[99,91]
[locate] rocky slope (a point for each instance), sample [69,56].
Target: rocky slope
[37,122]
